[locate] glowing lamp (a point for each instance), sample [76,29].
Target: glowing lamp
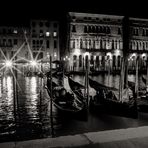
[8,63]
[33,63]
[143,55]
[86,54]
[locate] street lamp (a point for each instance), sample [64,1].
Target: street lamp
[33,63]
[8,63]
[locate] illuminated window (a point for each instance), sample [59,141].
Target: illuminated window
[15,31]
[55,34]
[47,34]
[41,33]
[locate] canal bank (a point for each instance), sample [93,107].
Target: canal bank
[121,138]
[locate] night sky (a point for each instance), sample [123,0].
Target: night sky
[21,11]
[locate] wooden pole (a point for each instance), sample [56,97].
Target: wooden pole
[51,101]
[136,84]
[147,79]
[87,82]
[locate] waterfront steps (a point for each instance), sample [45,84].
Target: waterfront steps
[119,138]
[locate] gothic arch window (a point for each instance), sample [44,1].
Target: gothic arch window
[143,32]
[119,30]
[114,60]
[86,60]
[143,46]
[101,29]
[137,45]
[101,44]
[97,61]
[81,44]
[80,60]
[85,29]
[73,28]
[113,44]
[92,60]
[108,30]
[93,29]
[119,61]
[89,29]
[74,43]
[74,60]
[104,30]
[97,29]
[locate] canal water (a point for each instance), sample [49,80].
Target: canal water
[28,115]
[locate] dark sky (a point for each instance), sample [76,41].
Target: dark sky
[20,11]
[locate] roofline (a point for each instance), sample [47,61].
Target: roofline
[95,15]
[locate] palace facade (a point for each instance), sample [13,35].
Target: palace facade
[99,38]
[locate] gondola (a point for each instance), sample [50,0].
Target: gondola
[64,99]
[107,100]
[142,99]
[77,88]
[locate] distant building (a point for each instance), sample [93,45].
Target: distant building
[45,39]
[99,38]
[36,42]
[138,43]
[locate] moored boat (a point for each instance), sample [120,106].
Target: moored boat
[107,100]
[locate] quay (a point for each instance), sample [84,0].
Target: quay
[120,138]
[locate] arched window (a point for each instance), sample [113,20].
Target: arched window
[114,60]
[97,61]
[108,30]
[73,28]
[119,61]
[74,43]
[80,60]
[92,60]
[97,29]
[101,29]
[143,46]
[86,61]
[85,29]
[75,61]
[89,29]
[113,47]
[93,29]
[81,44]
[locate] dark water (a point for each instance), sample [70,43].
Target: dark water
[31,118]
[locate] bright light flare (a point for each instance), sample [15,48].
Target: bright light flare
[8,63]
[33,63]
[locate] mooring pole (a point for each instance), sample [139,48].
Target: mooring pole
[51,112]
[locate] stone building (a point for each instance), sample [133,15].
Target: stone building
[38,41]
[99,38]
[138,46]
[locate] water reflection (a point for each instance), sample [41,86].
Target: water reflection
[33,109]
[6,106]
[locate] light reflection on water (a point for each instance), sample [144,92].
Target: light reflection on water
[33,116]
